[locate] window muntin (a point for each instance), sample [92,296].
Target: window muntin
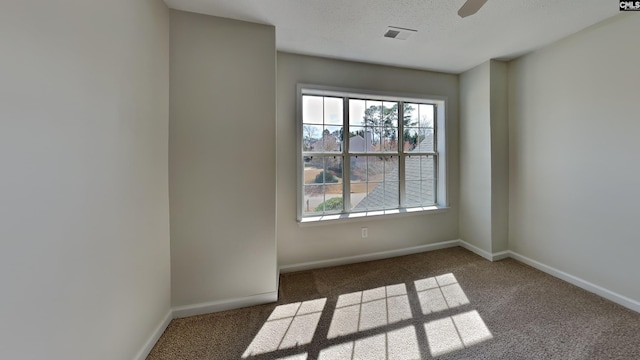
[378,163]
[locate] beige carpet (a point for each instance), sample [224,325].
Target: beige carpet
[446,304]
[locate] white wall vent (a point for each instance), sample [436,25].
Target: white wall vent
[399,33]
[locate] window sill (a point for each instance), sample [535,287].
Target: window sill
[369,215]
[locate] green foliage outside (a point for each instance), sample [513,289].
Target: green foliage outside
[383,121]
[326,177]
[331,204]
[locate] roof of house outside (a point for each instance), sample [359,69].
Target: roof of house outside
[358,143]
[417,193]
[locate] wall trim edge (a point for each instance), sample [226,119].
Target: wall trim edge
[223,305]
[500,255]
[478,251]
[367,257]
[485,254]
[155,336]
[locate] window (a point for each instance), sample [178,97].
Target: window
[368,154]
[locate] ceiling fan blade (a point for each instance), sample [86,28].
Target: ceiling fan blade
[470,7]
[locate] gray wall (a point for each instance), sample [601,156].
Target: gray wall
[222,159]
[499,156]
[484,157]
[475,156]
[302,243]
[84,208]
[573,123]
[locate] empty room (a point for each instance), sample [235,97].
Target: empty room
[316,180]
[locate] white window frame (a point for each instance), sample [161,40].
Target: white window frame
[440,150]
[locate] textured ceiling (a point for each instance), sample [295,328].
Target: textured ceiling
[354,29]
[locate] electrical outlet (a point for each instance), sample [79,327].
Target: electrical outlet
[365,232]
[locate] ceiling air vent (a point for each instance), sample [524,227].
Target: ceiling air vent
[399,33]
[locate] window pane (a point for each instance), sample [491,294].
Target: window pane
[333,170]
[312,138]
[375,168]
[331,138]
[383,139]
[389,140]
[312,109]
[428,195]
[390,114]
[376,138]
[360,139]
[322,185]
[419,131]
[413,193]
[313,166]
[356,112]
[411,116]
[391,183]
[391,193]
[381,119]
[425,143]
[359,198]
[375,196]
[333,199]
[428,180]
[411,138]
[428,168]
[419,180]
[323,170]
[418,140]
[358,169]
[426,115]
[332,111]
[358,182]
[313,196]
[379,190]
[373,113]
[412,167]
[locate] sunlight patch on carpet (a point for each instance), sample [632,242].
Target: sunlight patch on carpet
[377,323]
[400,344]
[440,293]
[288,326]
[456,333]
[369,309]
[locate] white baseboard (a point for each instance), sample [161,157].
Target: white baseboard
[368,257]
[474,249]
[500,255]
[223,305]
[598,290]
[485,254]
[146,349]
